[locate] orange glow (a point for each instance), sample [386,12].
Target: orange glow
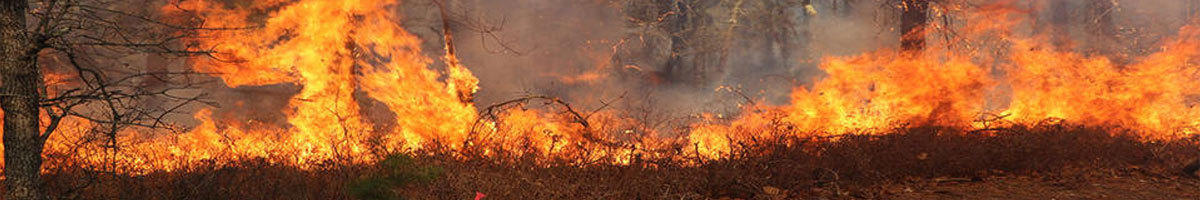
[874,91]
[334,50]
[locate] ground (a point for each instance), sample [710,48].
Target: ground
[1117,185]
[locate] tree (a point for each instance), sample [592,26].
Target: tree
[20,78]
[780,29]
[89,37]
[679,40]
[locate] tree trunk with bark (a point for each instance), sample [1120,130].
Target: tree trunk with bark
[19,83]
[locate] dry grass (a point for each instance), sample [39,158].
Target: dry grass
[783,167]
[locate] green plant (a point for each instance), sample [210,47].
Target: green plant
[397,170]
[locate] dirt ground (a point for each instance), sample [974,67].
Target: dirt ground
[1115,185]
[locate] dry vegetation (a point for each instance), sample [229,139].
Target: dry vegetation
[922,162]
[690,43]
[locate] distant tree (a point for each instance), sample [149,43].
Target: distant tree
[781,25]
[680,43]
[689,42]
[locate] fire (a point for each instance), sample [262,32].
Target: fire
[333,49]
[339,51]
[1153,94]
[874,91]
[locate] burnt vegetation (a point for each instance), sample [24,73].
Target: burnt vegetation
[848,166]
[677,44]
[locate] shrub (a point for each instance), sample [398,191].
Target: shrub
[397,170]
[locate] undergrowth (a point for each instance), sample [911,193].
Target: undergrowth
[853,165]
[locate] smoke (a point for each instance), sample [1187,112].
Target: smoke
[598,54]
[684,67]
[605,54]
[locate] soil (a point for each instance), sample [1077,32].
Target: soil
[1118,185]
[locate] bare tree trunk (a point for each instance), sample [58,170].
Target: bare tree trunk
[19,99]
[912,25]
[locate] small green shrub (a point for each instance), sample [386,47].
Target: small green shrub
[397,170]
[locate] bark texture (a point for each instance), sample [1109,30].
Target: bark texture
[19,80]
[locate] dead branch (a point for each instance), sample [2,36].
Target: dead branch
[90,37]
[491,113]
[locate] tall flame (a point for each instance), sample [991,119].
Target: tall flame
[333,49]
[340,51]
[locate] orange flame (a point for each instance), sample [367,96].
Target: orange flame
[332,49]
[335,49]
[886,88]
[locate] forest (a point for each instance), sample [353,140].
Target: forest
[600,99]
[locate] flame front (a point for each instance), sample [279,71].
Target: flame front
[331,49]
[339,51]
[874,91]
